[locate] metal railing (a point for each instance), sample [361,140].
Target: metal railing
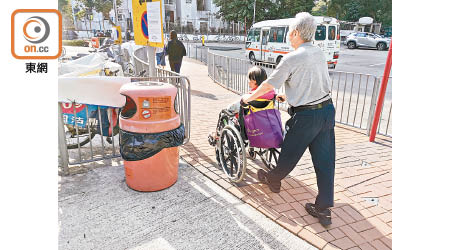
[84,142]
[354,94]
[179,81]
[197,52]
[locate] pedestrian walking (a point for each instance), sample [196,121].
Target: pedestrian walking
[304,74]
[176,50]
[128,35]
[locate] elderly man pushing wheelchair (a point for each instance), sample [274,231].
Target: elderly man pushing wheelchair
[304,73]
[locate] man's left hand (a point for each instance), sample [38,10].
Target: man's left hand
[245,98]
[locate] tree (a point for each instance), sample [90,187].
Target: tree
[105,7]
[87,7]
[320,8]
[238,10]
[242,11]
[289,8]
[352,10]
[65,7]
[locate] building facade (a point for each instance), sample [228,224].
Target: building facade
[191,15]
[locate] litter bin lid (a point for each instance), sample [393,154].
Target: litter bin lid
[148,83]
[148,87]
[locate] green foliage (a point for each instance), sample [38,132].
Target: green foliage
[352,10]
[101,6]
[65,7]
[320,9]
[242,10]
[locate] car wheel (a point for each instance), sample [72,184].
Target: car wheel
[381,46]
[351,45]
[251,56]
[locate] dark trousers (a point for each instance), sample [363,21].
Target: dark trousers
[175,66]
[313,129]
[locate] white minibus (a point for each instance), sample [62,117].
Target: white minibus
[267,41]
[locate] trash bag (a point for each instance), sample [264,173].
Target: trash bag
[140,146]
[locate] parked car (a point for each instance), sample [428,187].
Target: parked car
[367,40]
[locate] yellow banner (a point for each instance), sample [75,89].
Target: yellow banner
[118,35]
[143,33]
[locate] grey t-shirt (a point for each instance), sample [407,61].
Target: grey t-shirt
[304,73]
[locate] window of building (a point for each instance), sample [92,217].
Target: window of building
[201,5]
[331,32]
[321,33]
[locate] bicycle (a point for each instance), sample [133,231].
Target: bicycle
[183,37]
[196,38]
[82,123]
[221,38]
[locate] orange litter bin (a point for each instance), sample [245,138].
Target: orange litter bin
[95,42]
[150,133]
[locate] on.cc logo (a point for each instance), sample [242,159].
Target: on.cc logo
[36,34]
[36,29]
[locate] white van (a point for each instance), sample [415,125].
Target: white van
[267,41]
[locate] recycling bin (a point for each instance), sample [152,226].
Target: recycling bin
[150,135]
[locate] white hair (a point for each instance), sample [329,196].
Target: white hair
[305,24]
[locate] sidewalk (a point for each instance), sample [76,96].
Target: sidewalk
[97,210]
[362,216]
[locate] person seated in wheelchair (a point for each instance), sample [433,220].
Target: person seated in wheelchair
[256,75]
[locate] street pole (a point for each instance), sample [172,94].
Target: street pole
[151,55]
[126,25]
[384,82]
[119,33]
[254,12]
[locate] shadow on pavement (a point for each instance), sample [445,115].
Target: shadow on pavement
[354,222]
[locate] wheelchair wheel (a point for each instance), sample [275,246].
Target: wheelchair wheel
[270,158]
[232,154]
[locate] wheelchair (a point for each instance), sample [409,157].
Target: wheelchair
[231,144]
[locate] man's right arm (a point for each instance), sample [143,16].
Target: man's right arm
[279,75]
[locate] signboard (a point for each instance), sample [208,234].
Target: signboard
[147,20]
[117,35]
[155,108]
[80,109]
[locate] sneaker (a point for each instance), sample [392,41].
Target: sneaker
[324,216]
[262,177]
